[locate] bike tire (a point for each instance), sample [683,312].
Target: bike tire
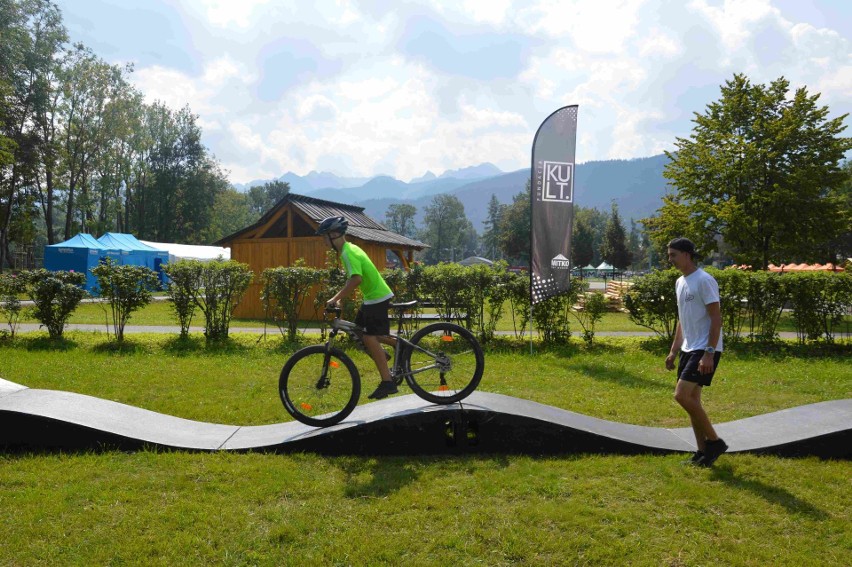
[466,359]
[311,404]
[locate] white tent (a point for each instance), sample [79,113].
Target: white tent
[471,260]
[191,251]
[605,266]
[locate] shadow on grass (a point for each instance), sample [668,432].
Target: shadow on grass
[40,343]
[127,346]
[376,478]
[369,477]
[620,376]
[772,494]
[195,345]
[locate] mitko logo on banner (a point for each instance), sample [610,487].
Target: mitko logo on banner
[560,262]
[557,183]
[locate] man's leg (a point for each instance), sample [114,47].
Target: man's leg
[688,395]
[377,353]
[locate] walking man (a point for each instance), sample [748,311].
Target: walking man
[698,340]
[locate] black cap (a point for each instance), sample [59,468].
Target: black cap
[683,244]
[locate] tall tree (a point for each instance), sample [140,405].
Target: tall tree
[31,34]
[614,245]
[445,229]
[582,242]
[400,219]
[261,198]
[491,235]
[761,170]
[231,212]
[515,228]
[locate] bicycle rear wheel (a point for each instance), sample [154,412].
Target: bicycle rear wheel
[445,365]
[316,400]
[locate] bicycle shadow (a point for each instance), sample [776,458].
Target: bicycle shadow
[378,477]
[772,494]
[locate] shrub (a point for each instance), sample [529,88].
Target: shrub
[733,298]
[551,317]
[284,292]
[819,301]
[590,310]
[183,286]
[450,290]
[765,298]
[517,289]
[55,296]
[332,280]
[652,302]
[11,288]
[126,288]
[222,285]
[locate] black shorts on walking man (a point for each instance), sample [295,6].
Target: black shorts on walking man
[698,342]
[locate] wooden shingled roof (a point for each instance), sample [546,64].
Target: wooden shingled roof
[360,225]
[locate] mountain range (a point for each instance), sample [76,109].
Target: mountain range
[636,186]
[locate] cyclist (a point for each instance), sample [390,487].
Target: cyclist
[373,314]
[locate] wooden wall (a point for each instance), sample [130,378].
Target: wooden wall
[264,253]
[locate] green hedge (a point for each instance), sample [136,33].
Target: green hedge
[751,302]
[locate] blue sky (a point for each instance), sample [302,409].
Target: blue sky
[362,88]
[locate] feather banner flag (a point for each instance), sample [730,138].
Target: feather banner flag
[552,204]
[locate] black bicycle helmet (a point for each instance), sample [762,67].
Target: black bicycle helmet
[333,224]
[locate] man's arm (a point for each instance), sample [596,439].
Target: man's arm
[676,343]
[705,366]
[348,289]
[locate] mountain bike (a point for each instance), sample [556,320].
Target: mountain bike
[320,384]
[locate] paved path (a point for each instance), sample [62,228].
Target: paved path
[272,330]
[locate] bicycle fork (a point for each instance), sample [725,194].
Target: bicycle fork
[327,363]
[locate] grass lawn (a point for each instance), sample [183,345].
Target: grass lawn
[177,508]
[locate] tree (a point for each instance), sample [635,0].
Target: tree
[515,228]
[491,236]
[400,219]
[582,242]
[261,198]
[231,212]
[32,33]
[760,171]
[614,247]
[445,230]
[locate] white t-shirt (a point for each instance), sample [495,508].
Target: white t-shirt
[694,293]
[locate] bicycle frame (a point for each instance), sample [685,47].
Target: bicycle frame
[339,325]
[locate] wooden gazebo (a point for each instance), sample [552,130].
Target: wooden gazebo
[287,232]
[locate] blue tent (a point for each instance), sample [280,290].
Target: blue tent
[136,253]
[80,254]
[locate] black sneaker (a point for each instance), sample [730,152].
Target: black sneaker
[384,390]
[695,458]
[712,451]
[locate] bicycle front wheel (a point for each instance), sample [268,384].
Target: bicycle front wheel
[315,398]
[445,363]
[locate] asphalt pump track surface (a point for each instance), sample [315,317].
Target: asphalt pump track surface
[34,420]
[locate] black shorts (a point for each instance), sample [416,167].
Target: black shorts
[687,368]
[373,318]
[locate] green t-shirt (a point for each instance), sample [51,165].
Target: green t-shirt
[373,286]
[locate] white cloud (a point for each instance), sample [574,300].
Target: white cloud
[658,43]
[601,26]
[226,13]
[633,66]
[734,19]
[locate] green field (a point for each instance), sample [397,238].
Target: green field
[177,508]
